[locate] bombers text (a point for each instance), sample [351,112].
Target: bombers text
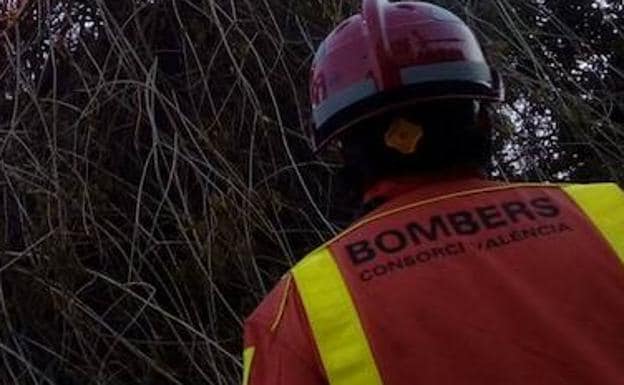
[465,222]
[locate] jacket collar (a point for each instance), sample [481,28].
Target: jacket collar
[394,191]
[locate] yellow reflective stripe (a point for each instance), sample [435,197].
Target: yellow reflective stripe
[335,323]
[248,355]
[604,205]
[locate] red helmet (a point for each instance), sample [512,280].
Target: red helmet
[390,56]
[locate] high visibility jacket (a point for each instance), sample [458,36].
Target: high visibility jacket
[465,282]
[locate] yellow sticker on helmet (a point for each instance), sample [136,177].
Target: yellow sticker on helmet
[404,136]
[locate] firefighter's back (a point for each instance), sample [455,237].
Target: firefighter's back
[498,285]
[476,284]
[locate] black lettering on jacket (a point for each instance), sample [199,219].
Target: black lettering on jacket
[360,252]
[391,241]
[491,217]
[436,225]
[544,207]
[463,223]
[515,210]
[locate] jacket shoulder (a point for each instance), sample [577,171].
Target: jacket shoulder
[284,295]
[267,313]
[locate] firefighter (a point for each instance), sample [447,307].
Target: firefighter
[449,278]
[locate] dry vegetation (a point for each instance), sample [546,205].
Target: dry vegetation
[155,178]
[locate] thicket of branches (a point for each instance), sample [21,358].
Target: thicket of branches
[156,180]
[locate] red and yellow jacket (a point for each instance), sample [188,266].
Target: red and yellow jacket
[459,282]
